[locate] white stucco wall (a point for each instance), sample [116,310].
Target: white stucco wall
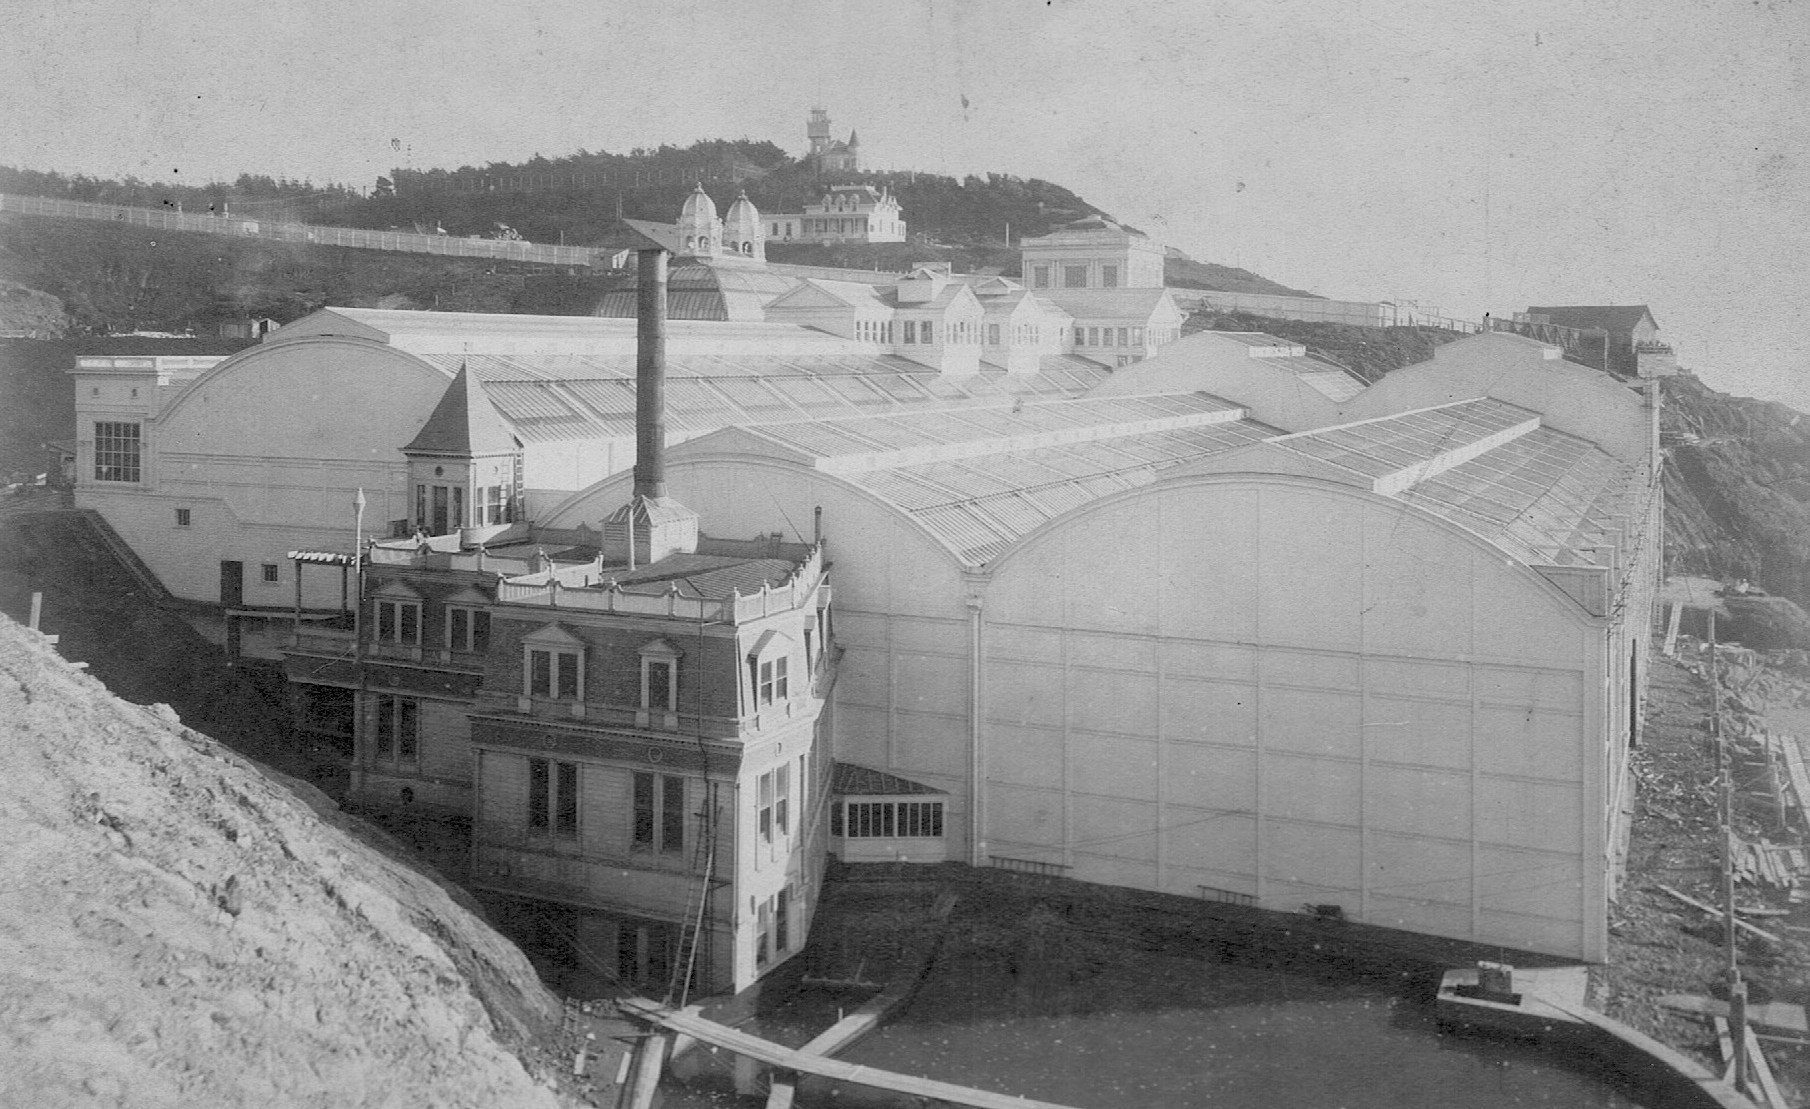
[1304,693]
[1273,685]
[266,451]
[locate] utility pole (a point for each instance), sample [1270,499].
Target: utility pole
[358,618]
[1737,989]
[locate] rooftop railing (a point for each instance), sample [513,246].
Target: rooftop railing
[548,590]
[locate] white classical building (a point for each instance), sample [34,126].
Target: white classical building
[1092,253]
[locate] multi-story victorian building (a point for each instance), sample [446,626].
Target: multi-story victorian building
[843,214]
[633,715]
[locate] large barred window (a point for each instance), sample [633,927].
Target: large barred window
[116,452]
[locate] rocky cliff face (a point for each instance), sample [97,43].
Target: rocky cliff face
[1737,488]
[180,930]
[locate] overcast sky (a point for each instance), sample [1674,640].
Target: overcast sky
[1471,155]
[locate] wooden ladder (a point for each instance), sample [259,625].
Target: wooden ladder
[697,904]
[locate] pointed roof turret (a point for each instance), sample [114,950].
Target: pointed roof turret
[854,140]
[464,422]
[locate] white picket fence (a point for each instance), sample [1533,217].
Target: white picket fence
[508,250]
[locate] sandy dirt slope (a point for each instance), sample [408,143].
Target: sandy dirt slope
[177,929]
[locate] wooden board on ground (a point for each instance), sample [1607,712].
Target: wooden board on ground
[788,1059]
[1717,913]
[1771,1014]
[1799,776]
[1758,1069]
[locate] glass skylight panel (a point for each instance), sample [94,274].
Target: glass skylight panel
[1018,470]
[1054,500]
[1015,512]
[519,400]
[1070,461]
[810,395]
[961,528]
[894,433]
[964,480]
[904,490]
[606,399]
[898,386]
[857,390]
[754,397]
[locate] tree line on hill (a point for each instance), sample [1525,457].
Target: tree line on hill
[249,194]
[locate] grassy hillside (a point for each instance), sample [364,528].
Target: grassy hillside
[112,277]
[1369,352]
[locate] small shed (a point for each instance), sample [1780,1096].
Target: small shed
[876,817]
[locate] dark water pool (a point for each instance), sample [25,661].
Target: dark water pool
[1099,1027]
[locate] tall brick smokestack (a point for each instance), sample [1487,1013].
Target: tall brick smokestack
[650,374]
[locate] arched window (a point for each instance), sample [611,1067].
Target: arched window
[690,243]
[703,242]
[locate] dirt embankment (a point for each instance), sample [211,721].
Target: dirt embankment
[180,930]
[1658,945]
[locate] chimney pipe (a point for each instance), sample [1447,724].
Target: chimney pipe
[650,374]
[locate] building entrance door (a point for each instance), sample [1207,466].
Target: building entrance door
[232,584]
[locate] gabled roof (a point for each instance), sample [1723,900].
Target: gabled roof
[647,234]
[464,422]
[1126,304]
[817,293]
[1616,319]
[945,297]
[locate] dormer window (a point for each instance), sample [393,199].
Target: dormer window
[769,670]
[773,680]
[659,685]
[553,664]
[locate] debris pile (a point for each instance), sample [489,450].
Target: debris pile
[1666,973]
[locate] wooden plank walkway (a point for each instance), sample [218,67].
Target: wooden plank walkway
[785,1058]
[1798,774]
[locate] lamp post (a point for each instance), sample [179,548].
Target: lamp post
[358,542]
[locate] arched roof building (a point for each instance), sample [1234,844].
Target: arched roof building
[1391,664]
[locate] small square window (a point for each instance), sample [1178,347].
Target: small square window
[270,573]
[182,518]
